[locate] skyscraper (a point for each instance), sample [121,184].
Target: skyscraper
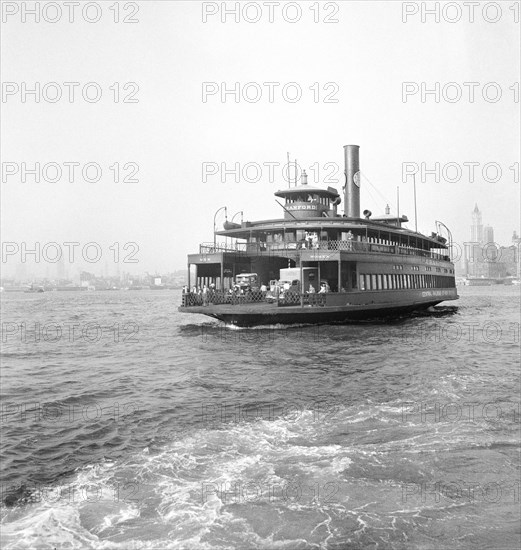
[488,234]
[480,258]
[476,229]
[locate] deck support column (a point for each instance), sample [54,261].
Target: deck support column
[301,283]
[339,275]
[188,277]
[221,284]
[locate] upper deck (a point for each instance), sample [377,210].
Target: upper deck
[323,250]
[337,233]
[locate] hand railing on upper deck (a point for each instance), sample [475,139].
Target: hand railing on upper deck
[333,245]
[211,248]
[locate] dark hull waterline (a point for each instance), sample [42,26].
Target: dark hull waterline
[264,314]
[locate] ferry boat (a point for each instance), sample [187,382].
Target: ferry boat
[487,281]
[334,267]
[34,288]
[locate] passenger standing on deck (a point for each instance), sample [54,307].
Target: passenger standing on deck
[205,295]
[349,240]
[311,295]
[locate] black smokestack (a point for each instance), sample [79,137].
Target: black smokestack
[352,187]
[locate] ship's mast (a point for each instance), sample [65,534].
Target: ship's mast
[398,205]
[289,173]
[415,214]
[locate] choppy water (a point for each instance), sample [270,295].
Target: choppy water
[140,427]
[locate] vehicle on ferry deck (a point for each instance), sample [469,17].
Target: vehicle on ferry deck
[246,282]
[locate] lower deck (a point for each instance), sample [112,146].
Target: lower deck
[335,307]
[344,271]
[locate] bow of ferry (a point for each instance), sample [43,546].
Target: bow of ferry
[374,266]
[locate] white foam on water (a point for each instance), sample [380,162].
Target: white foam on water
[47,527]
[191,493]
[170,505]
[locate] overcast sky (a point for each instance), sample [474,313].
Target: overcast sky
[361,61]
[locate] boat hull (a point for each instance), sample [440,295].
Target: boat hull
[257,314]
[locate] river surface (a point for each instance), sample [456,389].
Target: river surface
[129,425]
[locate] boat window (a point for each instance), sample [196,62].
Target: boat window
[379,282]
[384,280]
[373,282]
[362,282]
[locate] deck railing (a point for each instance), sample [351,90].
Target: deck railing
[211,248]
[345,246]
[219,297]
